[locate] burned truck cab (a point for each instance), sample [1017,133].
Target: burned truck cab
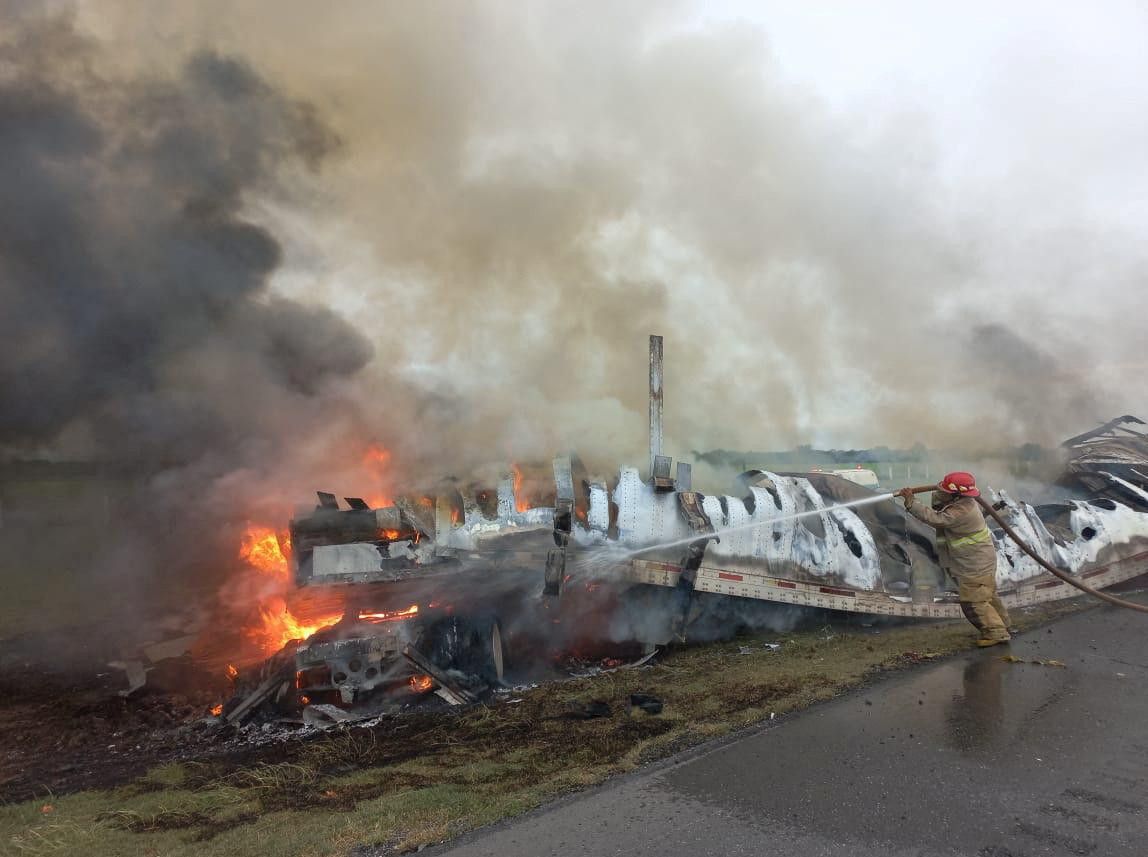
[359,544]
[423,584]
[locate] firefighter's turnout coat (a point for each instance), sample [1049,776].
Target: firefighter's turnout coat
[966,551]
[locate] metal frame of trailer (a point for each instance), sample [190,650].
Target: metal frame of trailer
[740,584]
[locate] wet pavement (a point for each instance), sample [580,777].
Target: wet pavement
[971,756]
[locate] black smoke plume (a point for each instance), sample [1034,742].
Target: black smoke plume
[138,327]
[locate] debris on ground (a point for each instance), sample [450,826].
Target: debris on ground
[765,647]
[324,716]
[580,710]
[1013,659]
[608,665]
[275,679]
[648,704]
[136,675]
[916,657]
[504,693]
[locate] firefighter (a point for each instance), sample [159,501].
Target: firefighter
[966,551]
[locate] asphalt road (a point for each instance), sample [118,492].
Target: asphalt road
[971,756]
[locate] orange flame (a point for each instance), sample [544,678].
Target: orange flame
[217,710]
[279,627]
[232,672]
[389,535]
[389,615]
[376,458]
[519,501]
[421,683]
[375,461]
[260,549]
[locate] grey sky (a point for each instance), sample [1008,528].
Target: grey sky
[1047,92]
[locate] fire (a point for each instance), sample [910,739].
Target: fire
[260,548]
[519,501]
[376,458]
[264,585]
[279,626]
[389,535]
[421,683]
[375,461]
[217,710]
[389,615]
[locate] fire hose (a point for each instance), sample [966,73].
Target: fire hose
[1063,575]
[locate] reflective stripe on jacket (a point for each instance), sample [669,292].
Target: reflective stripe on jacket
[976,538]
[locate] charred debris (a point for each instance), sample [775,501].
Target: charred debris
[1104,462]
[444,601]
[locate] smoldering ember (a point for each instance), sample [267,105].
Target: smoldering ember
[412,416]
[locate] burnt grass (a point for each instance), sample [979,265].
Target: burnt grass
[65,726]
[495,759]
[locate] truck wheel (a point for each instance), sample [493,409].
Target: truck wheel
[498,660]
[470,644]
[484,654]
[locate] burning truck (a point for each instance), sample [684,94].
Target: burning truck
[444,593]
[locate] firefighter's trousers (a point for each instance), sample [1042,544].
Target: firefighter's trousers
[981,604]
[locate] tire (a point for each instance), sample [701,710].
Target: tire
[470,644]
[484,654]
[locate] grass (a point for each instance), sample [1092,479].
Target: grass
[426,778]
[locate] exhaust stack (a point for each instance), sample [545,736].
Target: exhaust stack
[655,401]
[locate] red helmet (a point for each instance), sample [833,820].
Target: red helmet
[959,482]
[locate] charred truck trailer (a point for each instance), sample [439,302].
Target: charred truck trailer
[437,577]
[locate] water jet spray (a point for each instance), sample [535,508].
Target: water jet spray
[864,501]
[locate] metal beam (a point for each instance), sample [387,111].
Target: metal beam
[655,400]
